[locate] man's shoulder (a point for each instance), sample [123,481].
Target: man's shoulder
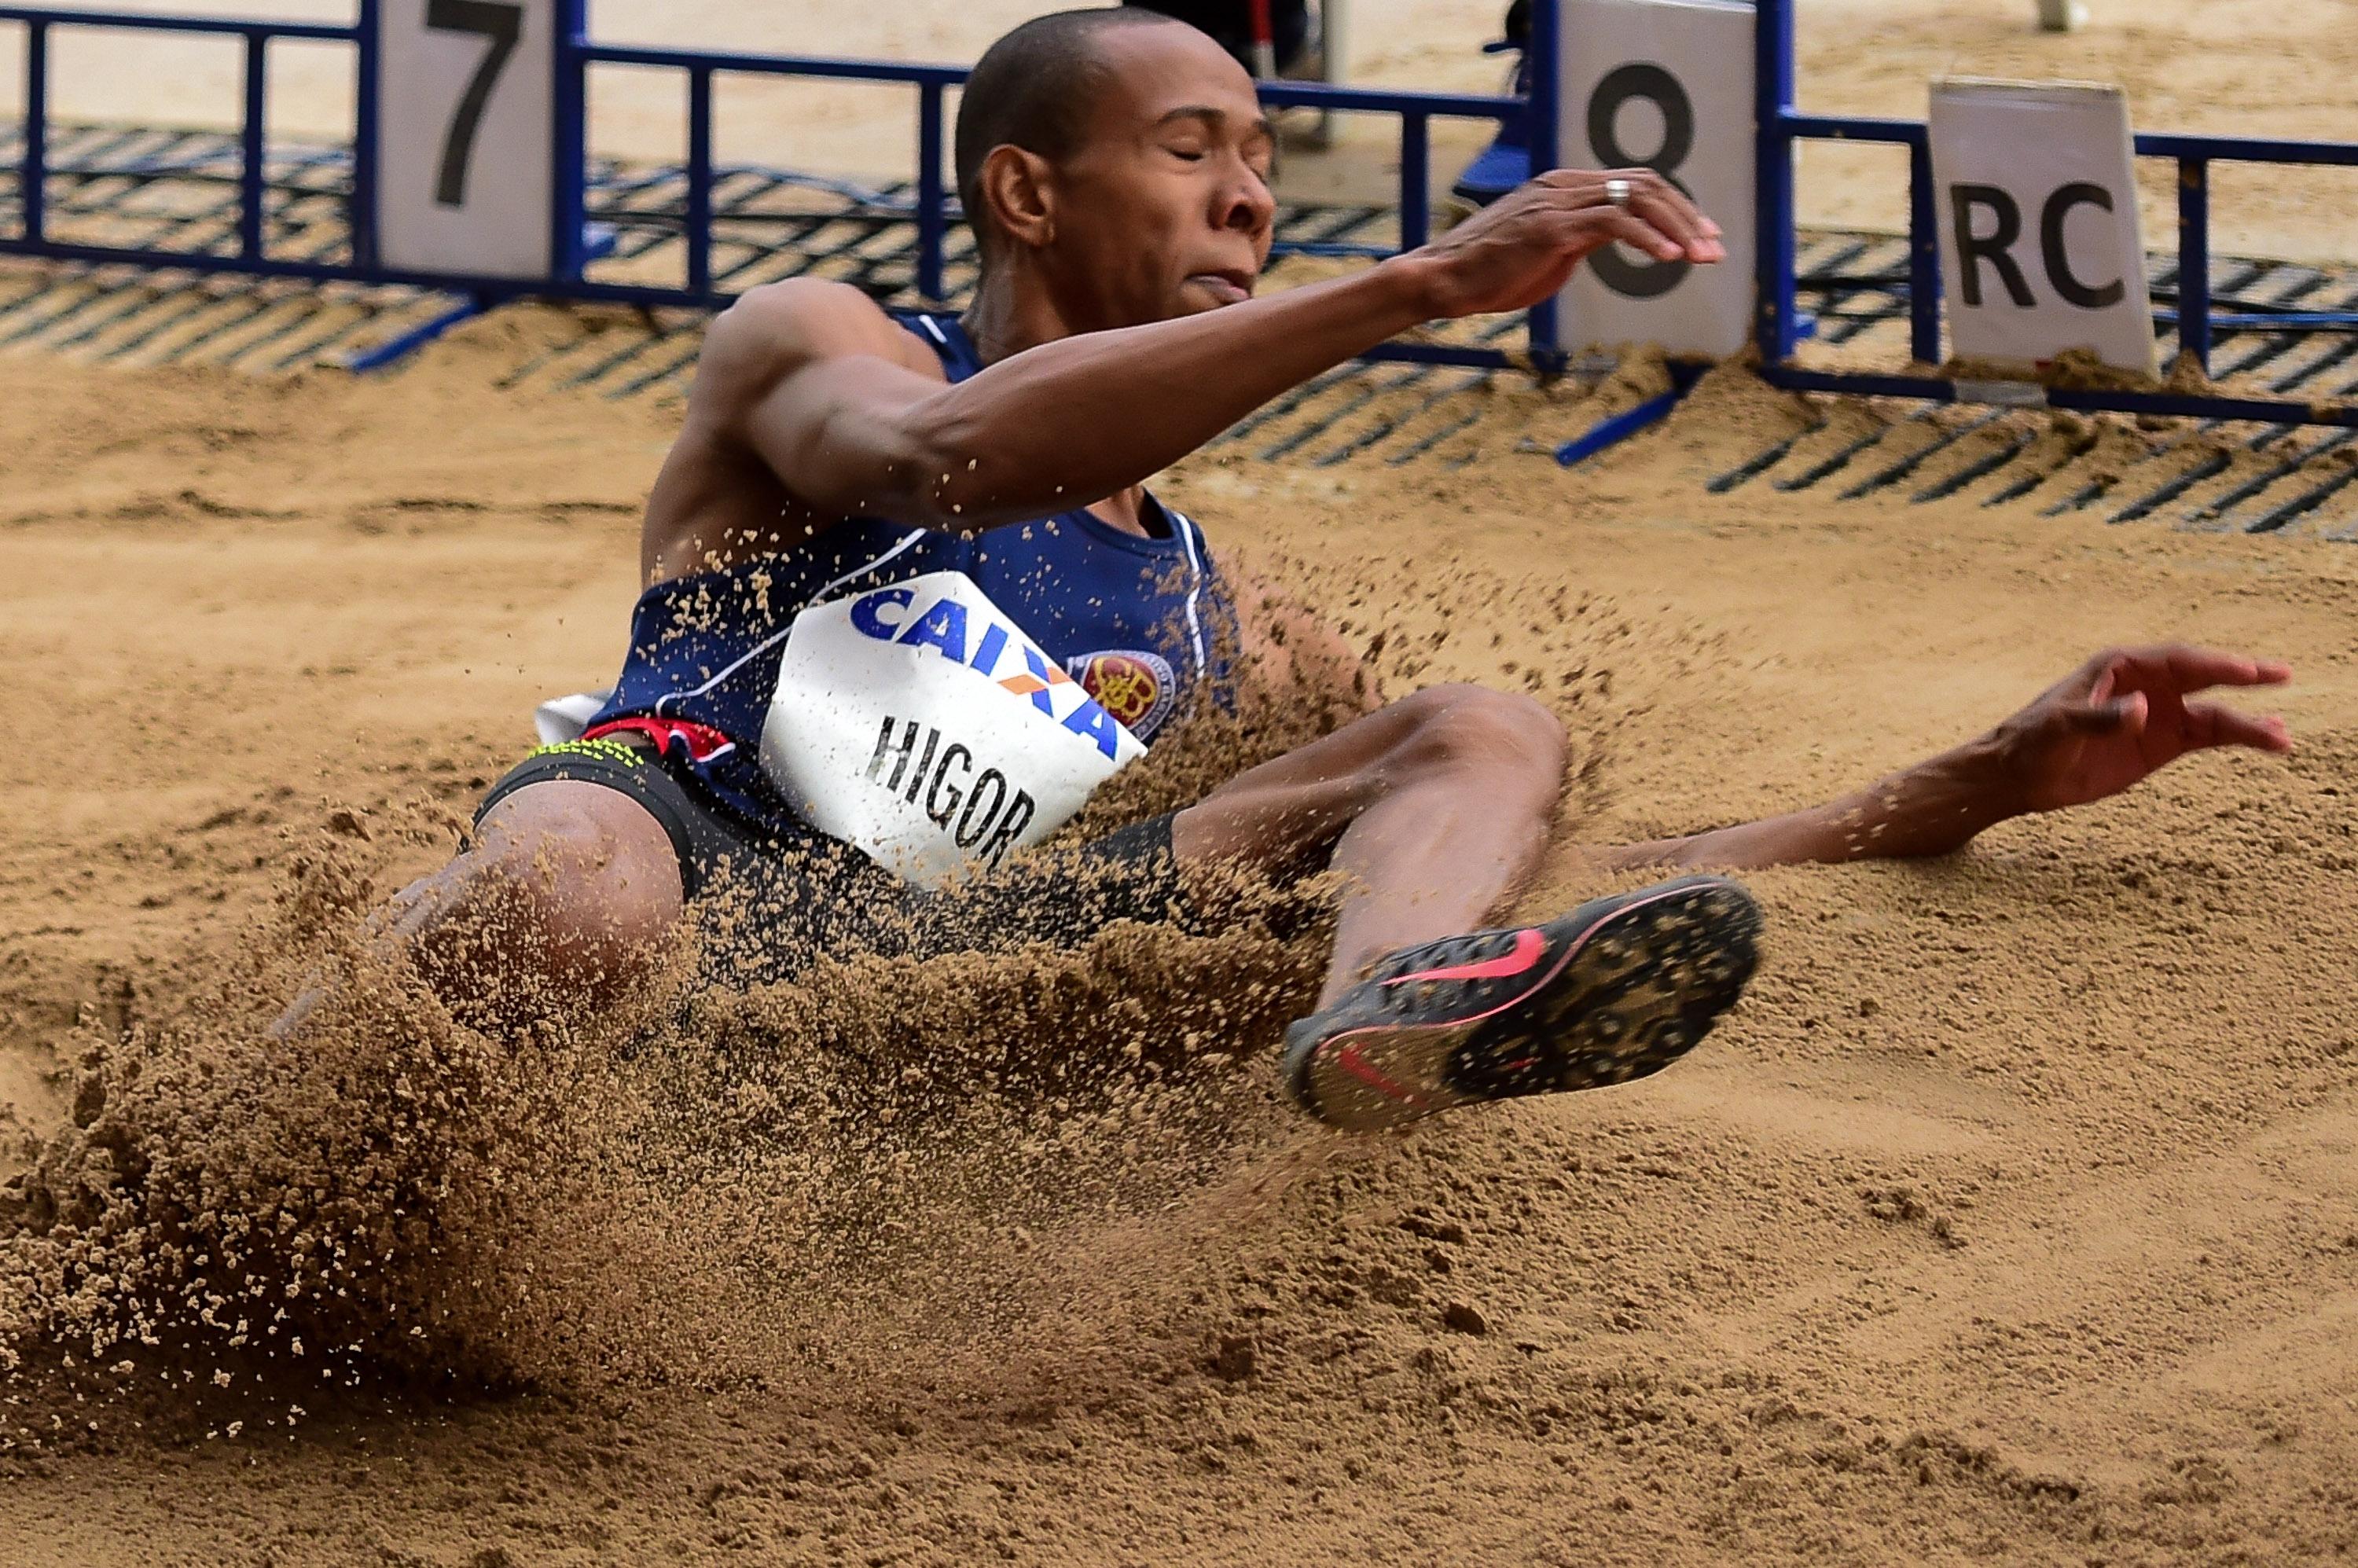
[778,328]
[806,305]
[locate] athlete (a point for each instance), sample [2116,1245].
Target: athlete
[909,601]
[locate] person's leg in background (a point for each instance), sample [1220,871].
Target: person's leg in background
[1230,21]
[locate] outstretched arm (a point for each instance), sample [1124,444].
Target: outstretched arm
[2121,716]
[817,382]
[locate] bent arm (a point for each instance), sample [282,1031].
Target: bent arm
[812,378]
[1288,656]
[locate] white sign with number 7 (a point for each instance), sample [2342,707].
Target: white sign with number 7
[465,140]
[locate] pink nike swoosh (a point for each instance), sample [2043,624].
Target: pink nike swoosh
[1368,1073]
[1528,945]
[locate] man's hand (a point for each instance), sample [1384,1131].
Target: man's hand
[1522,247]
[2124,715]
[2112,721]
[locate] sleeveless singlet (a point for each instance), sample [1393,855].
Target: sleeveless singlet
[1141,623]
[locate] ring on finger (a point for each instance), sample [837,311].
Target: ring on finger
[1618,191]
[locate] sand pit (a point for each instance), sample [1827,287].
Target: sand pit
[2010,1215]
[2010,1218]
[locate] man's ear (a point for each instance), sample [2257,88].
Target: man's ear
[1019,187]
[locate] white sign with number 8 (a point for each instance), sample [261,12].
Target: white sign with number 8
[1665,85]
[465,137]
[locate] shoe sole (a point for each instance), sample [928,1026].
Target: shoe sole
[1635,990]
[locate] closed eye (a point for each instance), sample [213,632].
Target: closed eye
[1260,155]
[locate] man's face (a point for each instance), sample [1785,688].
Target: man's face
[1164,211]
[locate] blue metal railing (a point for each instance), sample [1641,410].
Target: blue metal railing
[360,216]
[931,210]
[1779,124]
[931,202]
[33,167]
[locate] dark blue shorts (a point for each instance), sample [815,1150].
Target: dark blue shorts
[774,897]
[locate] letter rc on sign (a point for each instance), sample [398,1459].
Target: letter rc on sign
[465,136]
[2040,247]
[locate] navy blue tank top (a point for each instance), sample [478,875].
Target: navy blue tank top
[1141,623]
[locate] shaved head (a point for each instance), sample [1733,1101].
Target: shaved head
[1115,166]
[1034,89]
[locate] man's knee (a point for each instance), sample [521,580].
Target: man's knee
[578,893]
[1473,727]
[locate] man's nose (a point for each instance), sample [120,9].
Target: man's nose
[1247,206]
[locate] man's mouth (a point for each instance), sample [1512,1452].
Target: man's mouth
[1227,287]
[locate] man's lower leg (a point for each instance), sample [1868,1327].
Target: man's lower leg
[1617,990]
[1443,805]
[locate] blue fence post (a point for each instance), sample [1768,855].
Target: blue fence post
[571,155]
[2194,259]
[361,218]
[33,174]
[1923,251]
[1415,181]
[1547,152]
[253,149]
[700,180]
[931,225]
[1772,199]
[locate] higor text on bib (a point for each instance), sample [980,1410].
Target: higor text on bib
[919,723]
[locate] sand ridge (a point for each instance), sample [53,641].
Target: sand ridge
[2009,1214]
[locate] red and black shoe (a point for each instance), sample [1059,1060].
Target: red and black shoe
[1617,990]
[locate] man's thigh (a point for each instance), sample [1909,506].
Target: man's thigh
[613,837]
[567,889]
[1287,812]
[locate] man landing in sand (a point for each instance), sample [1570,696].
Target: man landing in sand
[909,601]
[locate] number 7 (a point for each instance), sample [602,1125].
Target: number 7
[500,23]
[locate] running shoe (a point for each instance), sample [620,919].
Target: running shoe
[1617,990]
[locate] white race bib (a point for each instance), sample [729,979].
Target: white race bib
[919,723]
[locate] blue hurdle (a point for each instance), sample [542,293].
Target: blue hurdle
[932,209]
[1777,322]
[1780,125]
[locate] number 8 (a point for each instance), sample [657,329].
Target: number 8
[1641,280]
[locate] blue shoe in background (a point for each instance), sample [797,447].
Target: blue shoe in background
[1506,161]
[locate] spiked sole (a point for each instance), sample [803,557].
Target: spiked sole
[1624,992]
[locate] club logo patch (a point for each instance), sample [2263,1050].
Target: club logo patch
[1134,685]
